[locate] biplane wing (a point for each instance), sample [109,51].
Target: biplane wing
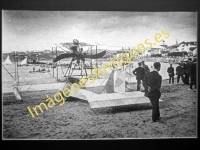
[67,55]
[63,56]
[95,56]
[71,44]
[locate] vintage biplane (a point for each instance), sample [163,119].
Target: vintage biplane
[28,81]
[77,54]
[110,91]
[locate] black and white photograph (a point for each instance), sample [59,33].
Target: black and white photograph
[99,75]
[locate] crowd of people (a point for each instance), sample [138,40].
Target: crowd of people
[163,59]
[185,71]
[151,80]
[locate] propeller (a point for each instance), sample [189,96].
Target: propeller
[81,56]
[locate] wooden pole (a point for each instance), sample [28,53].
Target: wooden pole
[15,65]
[57,63]
[17,72]
[53,65]
[96,55]
[91,60]
[122,58]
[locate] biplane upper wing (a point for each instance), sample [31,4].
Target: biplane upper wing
[95,56]
[71,44]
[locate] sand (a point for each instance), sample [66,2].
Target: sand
[76,120]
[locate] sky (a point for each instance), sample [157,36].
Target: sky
[39,30]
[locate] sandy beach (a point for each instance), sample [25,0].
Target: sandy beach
[52,47]
[76,120]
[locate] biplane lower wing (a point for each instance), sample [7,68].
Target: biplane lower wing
[63,56]
[95,56]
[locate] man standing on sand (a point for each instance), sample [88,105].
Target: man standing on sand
[139,73]
[188,70]
[180,73]
[152,82]
[146,68]
[193,75]
[170,71]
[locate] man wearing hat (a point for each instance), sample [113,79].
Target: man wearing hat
[180,73]
[146,68]
[170,71]
[139,73]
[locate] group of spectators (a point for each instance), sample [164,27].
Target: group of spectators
[185,71]
[164,59]
[152,80]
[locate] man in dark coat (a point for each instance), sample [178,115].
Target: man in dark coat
[193,75]
[188,70]
[146,68]
[152,82]
[180,72]
[139,73]
[170,71]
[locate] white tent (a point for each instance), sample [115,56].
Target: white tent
[24,62]
[7,61]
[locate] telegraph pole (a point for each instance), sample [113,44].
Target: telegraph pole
[122,58]
[91,59]
[17,72]
[57,63]
[15,65]
[53,65]
[96,55]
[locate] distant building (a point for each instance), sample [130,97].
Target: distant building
[147,52]
[157,49]
[47,51]
[187,46]
[164,45]
[173,48]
